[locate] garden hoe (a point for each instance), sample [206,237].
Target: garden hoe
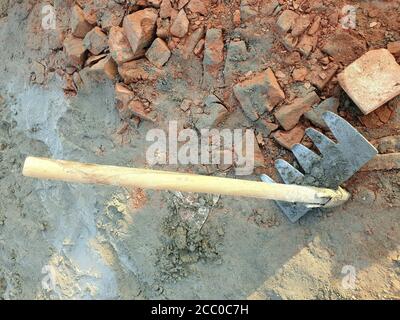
[318,186]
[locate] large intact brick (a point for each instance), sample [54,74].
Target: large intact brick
[289,115]
[259,94]
[79,26]
[372,80]
[140,28]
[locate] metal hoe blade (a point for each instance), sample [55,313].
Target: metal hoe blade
[336,164]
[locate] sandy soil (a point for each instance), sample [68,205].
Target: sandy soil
[67,241]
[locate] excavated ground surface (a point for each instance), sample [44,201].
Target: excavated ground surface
[67,241]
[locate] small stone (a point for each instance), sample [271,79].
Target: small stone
[198,6]
[320,78]
[299,74]
[315,114]
[315,26]
[259,94]
[79,26]
[198,49]
[120,48]
[288,139]
[138,109]
[236,18]
[95,41]
[307,44]
[293,58]
[158,53]
[140,28]
[384,113]
[373,24]
[75,51]
[192,42]
[186,104]
[77,81]
[289,115]
[286,21]
[180,26]
[372,80]
[39,71]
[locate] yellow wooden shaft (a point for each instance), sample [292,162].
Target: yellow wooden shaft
[163,180]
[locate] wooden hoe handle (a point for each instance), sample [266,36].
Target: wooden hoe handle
[70,171]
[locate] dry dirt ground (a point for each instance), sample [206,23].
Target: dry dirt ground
[68,241]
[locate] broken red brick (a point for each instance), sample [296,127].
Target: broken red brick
[259,94]
[213,55]
[288,139]
[158,53]
[137,70]
[192,41]
[180,25]
[123,94]
[286,21]
[105,68]
[95,41]
[299,74]
[289,115]
[320,78]
[198,6]
[79,26]
[394,48]
[139,110]
[236,18]
[120,48]
[166,9]
[140,28]
[300,26]
[75,51]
